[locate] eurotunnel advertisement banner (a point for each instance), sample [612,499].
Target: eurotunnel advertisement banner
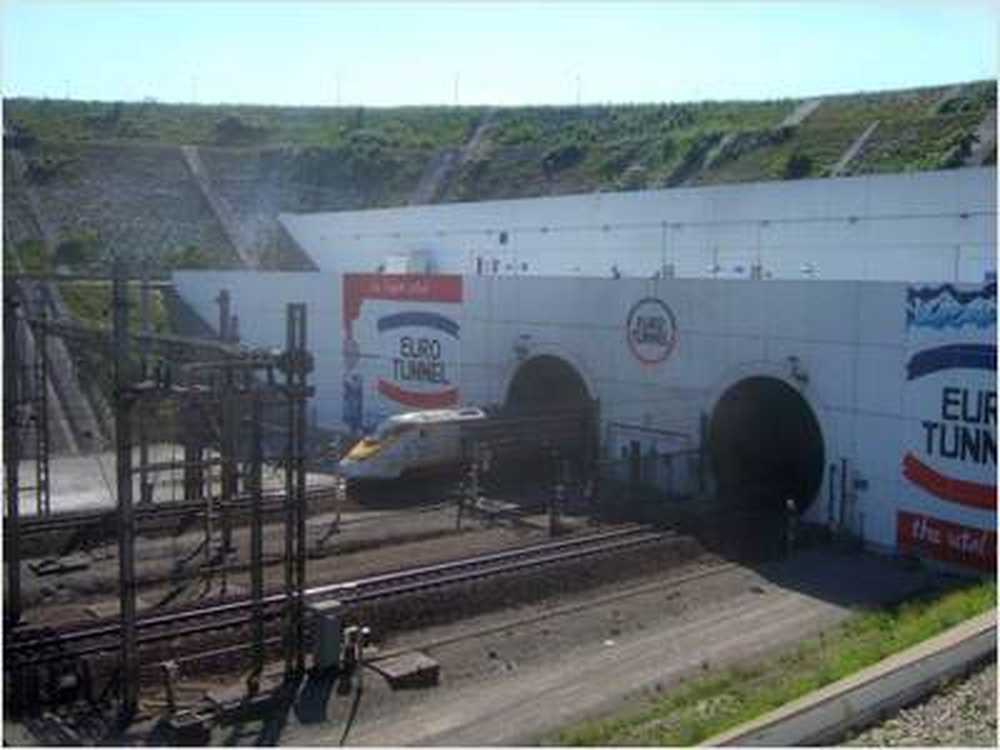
[950,405]
[401,345]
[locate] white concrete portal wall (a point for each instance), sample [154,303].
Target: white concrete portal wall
[850,341]
[924,226]
[847,337]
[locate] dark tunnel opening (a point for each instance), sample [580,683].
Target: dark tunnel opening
[544,384]
[765,445]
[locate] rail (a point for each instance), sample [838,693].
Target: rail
[31,646]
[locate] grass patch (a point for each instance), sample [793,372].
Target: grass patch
[90,303]
[713,703]
[33,256]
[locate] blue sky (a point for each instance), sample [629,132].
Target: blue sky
[381,54]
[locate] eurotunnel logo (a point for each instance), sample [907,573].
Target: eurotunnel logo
[951,393]
[396,351]
[955,386]
[421,342]
[651,330]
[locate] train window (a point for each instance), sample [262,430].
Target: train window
[391,430]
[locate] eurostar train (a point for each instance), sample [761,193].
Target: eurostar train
[416,442]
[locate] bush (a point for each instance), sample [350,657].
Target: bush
[634,178]
[797,166]
[232,130]
[369,156]
[667,149]
[44,169]
[518,133]
[561,157]
[77,253]
[959,150]
[33,256]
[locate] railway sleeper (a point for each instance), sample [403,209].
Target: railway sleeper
[34,687]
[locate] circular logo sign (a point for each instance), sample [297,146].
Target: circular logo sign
[651,330]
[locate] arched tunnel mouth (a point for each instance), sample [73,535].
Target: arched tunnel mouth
[546,383]
[766,446]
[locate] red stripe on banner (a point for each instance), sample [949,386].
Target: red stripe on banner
[972,494]
[437,400]
[949,542]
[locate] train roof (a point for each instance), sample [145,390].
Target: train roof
[439,415]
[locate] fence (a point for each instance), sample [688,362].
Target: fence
[676,474]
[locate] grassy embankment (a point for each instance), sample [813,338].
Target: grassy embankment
[702,708]
[527,151]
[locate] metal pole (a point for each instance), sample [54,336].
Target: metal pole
[223,302]
[41,409]
[257,546]
[194,479]
[295,485]
[341,496]
[145,488]
[12,458]
[300,492]
[126,512]
[555,500]
[229,472]
[290,525]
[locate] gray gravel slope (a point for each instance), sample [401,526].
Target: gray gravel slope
[964,714]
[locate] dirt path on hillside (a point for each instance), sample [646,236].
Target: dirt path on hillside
[446,162]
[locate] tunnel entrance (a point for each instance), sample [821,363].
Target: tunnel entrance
[546,383]
[765,445]
[551,420]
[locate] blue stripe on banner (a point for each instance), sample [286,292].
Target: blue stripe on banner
[419,319]
[970,356]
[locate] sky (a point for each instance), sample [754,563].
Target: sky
[476,53]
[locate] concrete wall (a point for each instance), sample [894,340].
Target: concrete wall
[875,361]
[260,300]
[927,226]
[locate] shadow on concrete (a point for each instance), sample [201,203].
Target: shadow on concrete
[815,563]
[310,708]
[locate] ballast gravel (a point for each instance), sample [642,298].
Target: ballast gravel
[963,714]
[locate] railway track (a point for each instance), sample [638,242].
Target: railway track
[273,502]
[211,629]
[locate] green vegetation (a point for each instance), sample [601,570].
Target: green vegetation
[931,143]
[243,125]
[713,703]
[194,257]
[113,167]
[33,255]
[78,253]
[381,153]
[90,303]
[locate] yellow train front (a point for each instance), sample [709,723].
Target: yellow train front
[420,441]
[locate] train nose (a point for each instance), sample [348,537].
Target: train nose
[348,467]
